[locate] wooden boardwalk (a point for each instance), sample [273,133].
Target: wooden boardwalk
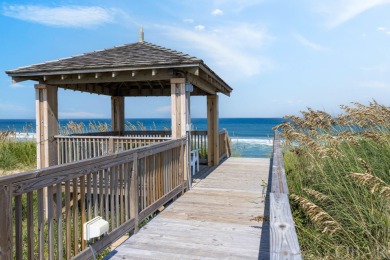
[212,221]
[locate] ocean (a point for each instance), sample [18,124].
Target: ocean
[251,137]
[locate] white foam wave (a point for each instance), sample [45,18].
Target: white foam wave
[26,136]
[252,141]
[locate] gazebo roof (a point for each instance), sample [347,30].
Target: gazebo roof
[137,65]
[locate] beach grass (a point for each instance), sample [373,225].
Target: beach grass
[338,172]
[16,154]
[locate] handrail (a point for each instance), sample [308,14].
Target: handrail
[284,241]
[124,188]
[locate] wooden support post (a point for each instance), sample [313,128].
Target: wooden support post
[118,113]
[212,130]
[134,192]
[6,222]
[178,107]
[46,101]
[179,115]
[47,124]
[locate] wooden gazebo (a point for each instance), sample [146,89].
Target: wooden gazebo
[137,69]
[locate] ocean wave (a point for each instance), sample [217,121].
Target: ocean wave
[26,136]
[252,141]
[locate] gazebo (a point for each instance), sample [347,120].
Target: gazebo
[103,173]
[130,70]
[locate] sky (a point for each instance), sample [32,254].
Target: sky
[280,57]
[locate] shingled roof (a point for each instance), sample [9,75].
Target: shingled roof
[140,54]
[139,65]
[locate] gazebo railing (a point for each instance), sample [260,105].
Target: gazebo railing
[123,188]
[78,147]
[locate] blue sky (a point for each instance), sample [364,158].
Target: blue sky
[279,56]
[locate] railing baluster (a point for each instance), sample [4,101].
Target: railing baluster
[59,220]
[18,227]
[50,222]
[30,225]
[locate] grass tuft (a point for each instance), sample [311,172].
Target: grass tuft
[343,164]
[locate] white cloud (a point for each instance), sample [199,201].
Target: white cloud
[18,85]
[308,43]
[65,16]
[234,49]
[381,29]
[217,12]
[199,27]
[237,5]
[341,11]
[188,20]
[70,115]
[13,108]
[376,85]
[164,109]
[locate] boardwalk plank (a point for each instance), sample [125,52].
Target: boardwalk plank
[213,220]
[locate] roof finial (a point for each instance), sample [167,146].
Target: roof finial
[141,34]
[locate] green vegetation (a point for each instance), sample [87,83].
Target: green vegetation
[338,172]
[16,154]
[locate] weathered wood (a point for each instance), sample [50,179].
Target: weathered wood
[160,202]
[30,225]
[6,222]
[211,221]
[212,130]
[118,113]
[75,214]
[18,227]
[178,109]
[41,240]
[134,193]
[111,173]
[60,240]
[82,207]
[284,241]
[50,222]
[67,218]
[47,124]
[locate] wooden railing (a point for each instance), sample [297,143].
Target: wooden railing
[283,238]
[76,148]
[124,188]
[224,145]
[89,145]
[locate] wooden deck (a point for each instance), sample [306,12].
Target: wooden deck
[212,221]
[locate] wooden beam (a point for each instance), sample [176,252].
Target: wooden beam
[212,130]
[118,113]
[202,84]
[125,76]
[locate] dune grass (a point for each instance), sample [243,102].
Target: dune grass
[15,153]
[338,172]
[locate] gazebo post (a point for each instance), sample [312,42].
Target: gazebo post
[46,124]
[179,115]
[118,113]
[46,101]
[212,130]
